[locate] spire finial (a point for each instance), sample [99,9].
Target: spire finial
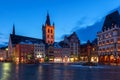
[48,19]
[13,29]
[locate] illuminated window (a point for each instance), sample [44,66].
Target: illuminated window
[112,49]
[99,43]
[118,48]
[93,49]
[103,49]
[112,40]
[107,49]
[107,35]
[118,40]
[111,34]
[103,42]
[107,42]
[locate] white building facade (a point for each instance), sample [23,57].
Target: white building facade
[109,39]
[39,51]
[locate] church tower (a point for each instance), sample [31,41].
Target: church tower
[48,31]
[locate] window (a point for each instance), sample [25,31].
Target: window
[103,42]
[103,49]
[111,34]
[48,30]
[99,43]
[47,36]
[118,48]
[112,40]
[48,41]
[51,31]
[107,35]
[118,40]
[107,42]
[107,49]
[112,49]
[51,36]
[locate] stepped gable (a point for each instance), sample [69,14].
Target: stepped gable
[18,39]
[111,19]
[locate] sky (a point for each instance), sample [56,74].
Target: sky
[85,17]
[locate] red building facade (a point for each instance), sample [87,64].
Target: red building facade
[23,52]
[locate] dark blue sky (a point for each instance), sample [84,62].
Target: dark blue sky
[83,16]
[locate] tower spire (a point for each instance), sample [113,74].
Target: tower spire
[13,29]
[48,19]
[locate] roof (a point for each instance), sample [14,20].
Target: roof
[94,42]
[73,34]
[56,45]
[113,18]
[23,39]
[63,44]
[3,48]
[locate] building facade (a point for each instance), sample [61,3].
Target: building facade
[20,48]
[109,39]
[39,51]
[3,53]
[57,52]
[74,44]
[23,52]
[89,52]
[65,51]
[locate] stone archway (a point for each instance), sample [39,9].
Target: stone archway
[112,58]
[106,58]
[118,58]
[101,58]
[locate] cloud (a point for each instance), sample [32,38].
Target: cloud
[86,22]
[3,40]
[3,44]
[6,43]
[87,29]
[1,33]
[118,8]
[90,32]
